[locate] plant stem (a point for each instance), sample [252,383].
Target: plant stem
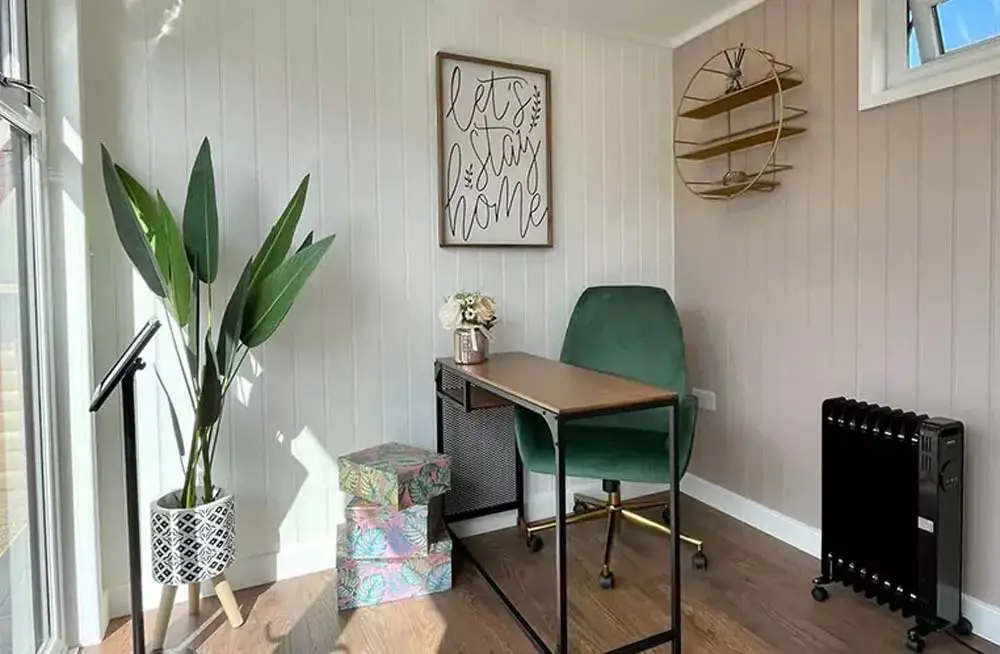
[188,492]
[206,468]
[182,360]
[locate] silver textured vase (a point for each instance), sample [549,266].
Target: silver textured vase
[192,545]
[471,346]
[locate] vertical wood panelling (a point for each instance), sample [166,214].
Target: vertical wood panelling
[345,90]
[872,272]
[971,302]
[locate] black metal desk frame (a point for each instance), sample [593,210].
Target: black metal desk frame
[555,422]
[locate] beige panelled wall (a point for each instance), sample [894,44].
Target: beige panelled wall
[344,89]
[874,272]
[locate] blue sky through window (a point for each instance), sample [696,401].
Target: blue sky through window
[963,23]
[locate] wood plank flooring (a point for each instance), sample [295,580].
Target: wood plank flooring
[753,599]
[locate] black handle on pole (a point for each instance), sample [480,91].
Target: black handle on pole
[132,507]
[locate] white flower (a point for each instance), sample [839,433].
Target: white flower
[470,300]
[470,315]
[450,314]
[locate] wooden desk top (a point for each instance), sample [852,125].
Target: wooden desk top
[558,387]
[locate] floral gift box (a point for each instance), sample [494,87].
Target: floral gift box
[376,581]
[394,475]
[374,532]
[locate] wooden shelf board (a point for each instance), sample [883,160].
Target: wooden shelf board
[729,191]
[765,88]
[740,143]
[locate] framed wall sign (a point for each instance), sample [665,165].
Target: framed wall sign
[494,152]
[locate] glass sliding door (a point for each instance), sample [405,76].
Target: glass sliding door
[22,592]
[26,513]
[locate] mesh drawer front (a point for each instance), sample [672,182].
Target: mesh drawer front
[481,445]
[483,455]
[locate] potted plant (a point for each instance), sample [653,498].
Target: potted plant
[470,316]
[193,527]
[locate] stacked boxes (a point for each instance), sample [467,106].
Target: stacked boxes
[393,544]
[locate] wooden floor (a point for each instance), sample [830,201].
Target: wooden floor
[754,599]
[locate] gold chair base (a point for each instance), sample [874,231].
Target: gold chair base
[597,509]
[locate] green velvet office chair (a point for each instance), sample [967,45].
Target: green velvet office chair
[633,332]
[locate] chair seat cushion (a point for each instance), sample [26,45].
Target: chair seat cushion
[597,451]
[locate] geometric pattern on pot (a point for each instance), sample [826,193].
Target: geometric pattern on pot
[190,546]
[395,475]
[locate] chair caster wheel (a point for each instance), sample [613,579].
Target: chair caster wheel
[820,594]
[915,644]
[579,507]
[699,561]
[534,543]
[963,627]
[606,580]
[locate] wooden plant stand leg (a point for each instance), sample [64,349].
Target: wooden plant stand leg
[163,617]
[194,599]
[225,593]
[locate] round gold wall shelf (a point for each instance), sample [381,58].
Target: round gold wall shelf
[733,121]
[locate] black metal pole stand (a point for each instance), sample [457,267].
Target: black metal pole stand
[132,506]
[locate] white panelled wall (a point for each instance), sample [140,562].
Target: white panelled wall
[344,90]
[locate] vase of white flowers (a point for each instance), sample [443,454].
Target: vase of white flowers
[470,316]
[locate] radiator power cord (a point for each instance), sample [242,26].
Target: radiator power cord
[963,643]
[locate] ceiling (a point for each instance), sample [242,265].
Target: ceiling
[663,22]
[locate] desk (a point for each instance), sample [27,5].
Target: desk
[559,393]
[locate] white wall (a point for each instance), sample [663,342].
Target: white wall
[344,89]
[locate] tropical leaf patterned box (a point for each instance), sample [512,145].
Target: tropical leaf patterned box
[370,582]
[375,532]
[394,475]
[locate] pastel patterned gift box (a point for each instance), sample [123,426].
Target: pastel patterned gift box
[394,475]
[375,532]
[370,582]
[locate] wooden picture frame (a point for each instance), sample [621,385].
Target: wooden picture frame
[494,153]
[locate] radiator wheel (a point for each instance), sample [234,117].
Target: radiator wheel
[820,594]
[579,507]
[963,627]
[534,543]
[915,644]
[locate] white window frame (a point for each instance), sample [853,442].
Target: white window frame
[884,75]
[23,111]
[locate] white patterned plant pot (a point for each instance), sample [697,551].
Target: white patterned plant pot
[192,545]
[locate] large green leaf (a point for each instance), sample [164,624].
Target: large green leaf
[232,319]
[201,218]
[180,274]
[130,231]
[306,242]
[178,436]
[270,301]
[279,240]
[210,399]
[145,210]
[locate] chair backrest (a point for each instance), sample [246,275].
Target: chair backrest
[633,332]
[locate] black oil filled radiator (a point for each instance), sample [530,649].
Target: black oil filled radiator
[892,512]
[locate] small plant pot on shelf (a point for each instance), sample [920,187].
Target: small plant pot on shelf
[191,546]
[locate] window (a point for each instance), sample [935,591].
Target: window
[912,47]
[26,599]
